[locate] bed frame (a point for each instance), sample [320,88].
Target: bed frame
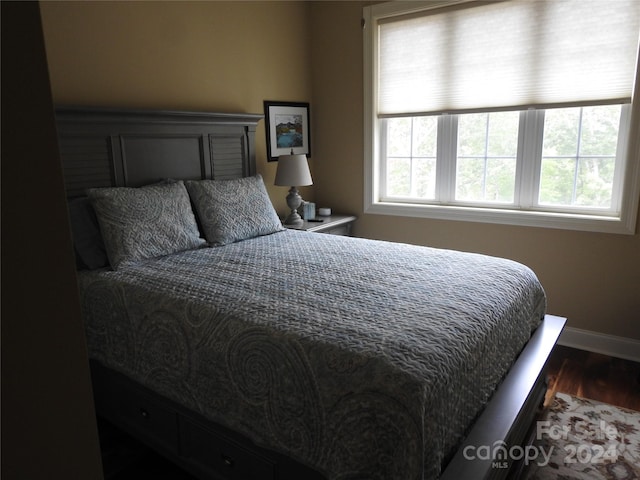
[106,147]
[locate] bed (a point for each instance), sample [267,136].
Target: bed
[240,349]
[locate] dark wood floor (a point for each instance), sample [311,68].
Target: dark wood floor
[591,375]
[577,372]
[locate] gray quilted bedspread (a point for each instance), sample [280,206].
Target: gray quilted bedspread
[361,358]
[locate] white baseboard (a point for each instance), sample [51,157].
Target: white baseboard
[611,345]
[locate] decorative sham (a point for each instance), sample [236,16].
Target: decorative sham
[233,210]
[145,222]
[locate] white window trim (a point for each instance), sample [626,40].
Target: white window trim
[625,223]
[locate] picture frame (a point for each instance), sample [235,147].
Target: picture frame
[287,128]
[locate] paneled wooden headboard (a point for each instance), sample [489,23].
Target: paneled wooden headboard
[107,147]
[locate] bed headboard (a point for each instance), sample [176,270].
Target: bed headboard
[106,147]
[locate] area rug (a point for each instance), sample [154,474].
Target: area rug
[581,439]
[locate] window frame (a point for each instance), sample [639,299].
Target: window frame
[527,172]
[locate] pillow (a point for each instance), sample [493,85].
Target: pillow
[87,241]
[233,210]
[145,222]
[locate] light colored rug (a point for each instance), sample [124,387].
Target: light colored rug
[580,439]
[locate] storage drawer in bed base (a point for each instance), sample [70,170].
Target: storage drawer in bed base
[201,447]
[214,454]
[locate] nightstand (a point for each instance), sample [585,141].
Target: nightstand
[335,225]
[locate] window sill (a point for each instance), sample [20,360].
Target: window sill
[587,223]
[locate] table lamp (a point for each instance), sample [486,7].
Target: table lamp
[293,171]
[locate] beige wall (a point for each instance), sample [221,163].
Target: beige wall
[182,55]
[230,56]
[592,278]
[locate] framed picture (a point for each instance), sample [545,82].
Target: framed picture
[287,128]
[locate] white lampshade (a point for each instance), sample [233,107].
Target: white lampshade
[293,170]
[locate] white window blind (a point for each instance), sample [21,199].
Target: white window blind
[519,53]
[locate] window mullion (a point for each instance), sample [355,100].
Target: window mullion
[486,156]
[529,158]
[446,158]
[382,183]
[576,169]
[412,164]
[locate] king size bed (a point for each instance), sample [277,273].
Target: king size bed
[240,349]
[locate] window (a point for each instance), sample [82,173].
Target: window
[579,168]
[529,128]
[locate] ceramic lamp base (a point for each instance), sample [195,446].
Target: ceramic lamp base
[294,200]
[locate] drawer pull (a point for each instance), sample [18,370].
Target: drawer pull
[144,413]
[227,460]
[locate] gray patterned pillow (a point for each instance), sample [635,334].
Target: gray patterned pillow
[233,210]
[145,222]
